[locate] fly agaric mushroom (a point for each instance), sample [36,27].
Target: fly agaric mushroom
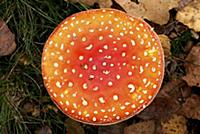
[102,66]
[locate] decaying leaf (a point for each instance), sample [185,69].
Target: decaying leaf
[74,127]
[102,3]
[191,108]
[190,15]
[7,40]
[175,125]
[193,67]
[112,129]
[166,45]
[175,90]
[153,10]
[146,127]
[160,109]
[43,130]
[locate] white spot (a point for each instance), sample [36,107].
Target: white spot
[139,36]
[100,50]
[94,119]
[153,69]
[133,106]
[149,97]
[101,100]
[87,115]
[51,42]
[74,34]
[142,42]
[65,70]
[91,30]
[127,113]
[55,64]
[117,117]
[85,85]
[123,54]
[130,73]
[141,101]
[85,66]
[89,47]
[104,63]
[154,86]
[72,43]
[110,83]
[60,57]
[127,103]
[94,67]
[62,46]
[131,32]
[58,84]
[90,59]
[154,59]
[122,107]
[111,65]
[56,72]
[124,45]
[84,39]
[144,80]
[60,34]
[103,110]
[137,28]
[122,34]
[73,70]
[81,57]
[75,105]
[105,47]
[67,103]
[118,76]
[115,97]
[80,75]
[79,113]
[134,57]
[145,53]
[96,88]
[132,42]
[100,37]
[110,35]
[131,88]
[106,72]
[141,69]
[62,95]
[70,84]
[112,30]
[84,102]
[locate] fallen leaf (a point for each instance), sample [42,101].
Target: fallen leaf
[74,127]
[193,67]
[44,130]
[175,90]
[102,3]
[190,15]
[146,127]
[191,108]
[166,45]
[112,129]
[153,10]
[7,40]
[160,109]
[176,124]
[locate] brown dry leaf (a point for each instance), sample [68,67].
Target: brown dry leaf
[153,10]
[175,89]
[190,15]
[160,109]
[166,45]
[74,127]
[102,3]
[146,127]
[191,108]
[7,40]
[112,129]
[193,67]
[43,130]
[175,125]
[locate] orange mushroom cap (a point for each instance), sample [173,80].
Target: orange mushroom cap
[102,66]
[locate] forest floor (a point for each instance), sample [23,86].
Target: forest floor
[26,107]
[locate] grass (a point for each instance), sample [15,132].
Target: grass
[20,73]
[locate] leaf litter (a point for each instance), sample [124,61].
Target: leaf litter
[175,104]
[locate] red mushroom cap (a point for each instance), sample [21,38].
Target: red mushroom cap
[102,66]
